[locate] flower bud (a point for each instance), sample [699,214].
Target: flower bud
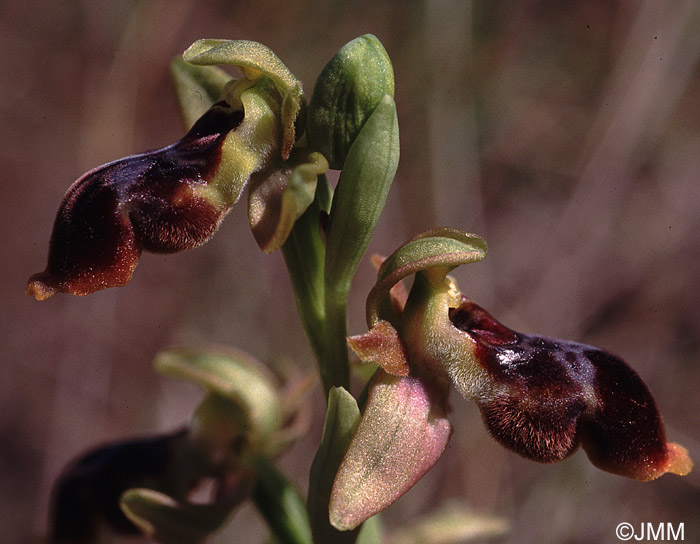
[347,91]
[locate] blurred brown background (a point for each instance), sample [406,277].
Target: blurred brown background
[566,133]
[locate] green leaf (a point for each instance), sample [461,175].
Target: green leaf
[197,87]
[361,194]
[440,249]
[346,93]
[342,418]
[172,522]
[233,375]
[280,504]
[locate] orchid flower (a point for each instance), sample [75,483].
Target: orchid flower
[175,198]
[538,396]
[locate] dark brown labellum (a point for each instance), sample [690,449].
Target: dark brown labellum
[152,201]
[88,491]
[550,396]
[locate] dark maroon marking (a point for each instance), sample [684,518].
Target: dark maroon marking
[625,433]
[548,408]
[472,318]
[521,360]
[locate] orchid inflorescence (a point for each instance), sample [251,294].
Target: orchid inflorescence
[538,396]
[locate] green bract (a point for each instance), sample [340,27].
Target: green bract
[342,418]
[361,193]
[347,91]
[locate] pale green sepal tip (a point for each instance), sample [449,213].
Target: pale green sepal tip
[255,61]
[434,251]
[245,54]
[233,375]
[170,521]
[440,249]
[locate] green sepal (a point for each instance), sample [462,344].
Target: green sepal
[361,194]
[280,504]
[255,60]
[251,148]
[197,88]
[278,198]
[235,376]
[347,91]
[169,521]
[440,249]
[342,418]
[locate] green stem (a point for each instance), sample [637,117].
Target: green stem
[307,281]
[322,304]
[305,254]
[335,368]
[280,504]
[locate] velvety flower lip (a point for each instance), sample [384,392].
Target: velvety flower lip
[550,396]
[88,491]
[155,201]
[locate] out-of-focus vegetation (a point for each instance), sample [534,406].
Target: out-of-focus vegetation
[567,134]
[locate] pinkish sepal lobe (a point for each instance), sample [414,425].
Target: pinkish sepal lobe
[402,434]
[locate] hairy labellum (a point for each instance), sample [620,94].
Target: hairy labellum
[550,396]
[88,491]
[157,201]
